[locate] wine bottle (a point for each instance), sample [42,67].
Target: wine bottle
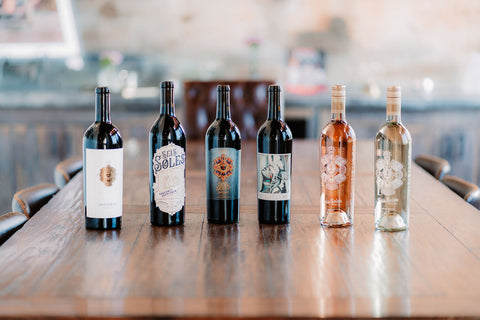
[103,168]
[337,165]
[393,148]
[274,164]
[167,163]
[223,163]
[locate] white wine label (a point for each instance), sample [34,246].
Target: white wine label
[104,182]
[169,183]
[273,176]
[333,169]
[223,173]
[389,174]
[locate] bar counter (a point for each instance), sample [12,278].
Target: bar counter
[54,267]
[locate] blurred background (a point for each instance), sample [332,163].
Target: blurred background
[54,53]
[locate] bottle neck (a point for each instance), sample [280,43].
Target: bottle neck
[338,109]
[167,105]
[102,107]
[223,105]
[274,109]
[394,107]
[394,117]
[340,116]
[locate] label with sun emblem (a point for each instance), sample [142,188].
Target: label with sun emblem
[333,169]
[223,179]
[389,174]
[107,175]
[168,165]
[104,182]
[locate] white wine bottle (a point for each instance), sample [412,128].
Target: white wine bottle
[393,148]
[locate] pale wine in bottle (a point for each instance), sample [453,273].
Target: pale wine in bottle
[393,148]
[337,165]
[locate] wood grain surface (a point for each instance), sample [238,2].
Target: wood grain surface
[54,267]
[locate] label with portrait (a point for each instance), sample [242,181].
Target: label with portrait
[274,176]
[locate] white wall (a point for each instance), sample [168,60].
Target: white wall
[386,41]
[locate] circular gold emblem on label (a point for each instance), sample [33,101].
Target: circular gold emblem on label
[107,175]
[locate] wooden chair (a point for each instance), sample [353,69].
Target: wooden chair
[248,100]
[66,170]
[468,191]
[436,166]
[29,200]
[10,223]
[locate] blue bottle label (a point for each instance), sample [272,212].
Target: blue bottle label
[273,176]
[223,173]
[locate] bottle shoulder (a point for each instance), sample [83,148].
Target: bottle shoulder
[223,127]
[394,131]
[223,133]
[339,130]
[275,128]
[166,130]
[166,124]
[102,134]
[97,129]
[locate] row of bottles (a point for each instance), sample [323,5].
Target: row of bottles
[392,167]
[103,163]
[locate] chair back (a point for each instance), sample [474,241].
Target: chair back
[468,191]
[66,170]
[436,166]
[248,100]
[29,200]
[10,223]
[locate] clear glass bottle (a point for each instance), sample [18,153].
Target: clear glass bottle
[337,165]
[393,148]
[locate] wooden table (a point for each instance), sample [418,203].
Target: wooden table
[55,267]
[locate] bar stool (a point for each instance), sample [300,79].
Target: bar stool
[66,170]
[10,223]
[436,166]
[468,191]
[29,200]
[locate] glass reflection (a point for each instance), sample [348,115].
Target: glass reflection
[223,258]
[275,239]
[104,260]
[389,277]
[342,241]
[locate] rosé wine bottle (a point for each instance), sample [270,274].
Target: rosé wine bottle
[337,165]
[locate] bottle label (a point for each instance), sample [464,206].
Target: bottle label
[104,182]
[169,171]
[223,178]
[389,174]
[273,176]
[333,169]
